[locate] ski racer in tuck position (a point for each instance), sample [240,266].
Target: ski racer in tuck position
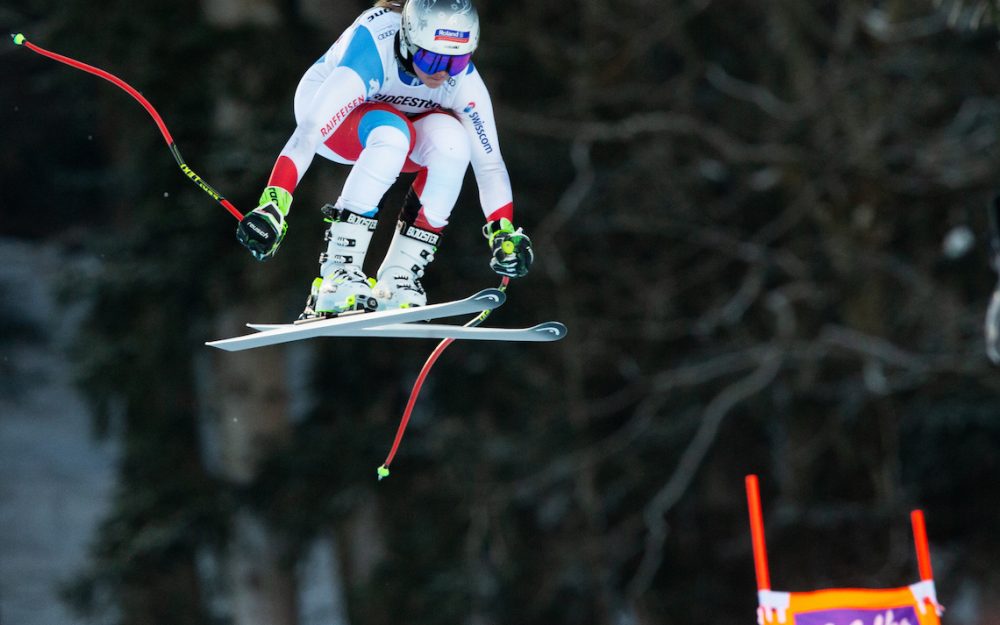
[395,93]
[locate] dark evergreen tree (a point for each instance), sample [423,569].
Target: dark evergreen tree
[753,217]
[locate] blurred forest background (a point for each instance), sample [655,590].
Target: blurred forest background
[763,221]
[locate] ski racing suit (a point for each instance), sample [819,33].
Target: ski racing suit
[357,105]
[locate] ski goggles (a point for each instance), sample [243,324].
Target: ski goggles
[432,62]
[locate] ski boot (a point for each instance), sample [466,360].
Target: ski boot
[342,285]
[398,279]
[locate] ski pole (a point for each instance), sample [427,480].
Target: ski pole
[383,471]
[21,40]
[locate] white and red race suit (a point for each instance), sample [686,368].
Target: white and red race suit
[358,105]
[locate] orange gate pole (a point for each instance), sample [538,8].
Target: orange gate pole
[920,540]
[757,534]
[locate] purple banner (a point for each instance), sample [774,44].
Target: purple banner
[905,615]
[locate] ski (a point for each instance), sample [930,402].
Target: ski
[487,299]
[543,332]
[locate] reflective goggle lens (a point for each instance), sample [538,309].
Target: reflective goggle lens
[432,62]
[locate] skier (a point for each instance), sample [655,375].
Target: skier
[395,93]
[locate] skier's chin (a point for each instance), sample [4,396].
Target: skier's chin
[433,81]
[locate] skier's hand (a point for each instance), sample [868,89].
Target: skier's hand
[511,249]
[262,230]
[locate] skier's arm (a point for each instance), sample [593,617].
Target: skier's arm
[510,248]
[358,73]
[475,110]
[346,87]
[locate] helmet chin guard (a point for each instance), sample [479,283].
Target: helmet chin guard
[448,27]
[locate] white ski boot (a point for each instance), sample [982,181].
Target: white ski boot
[398,280]
[343,286]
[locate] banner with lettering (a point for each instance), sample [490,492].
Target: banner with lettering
[910,605]
[915,604]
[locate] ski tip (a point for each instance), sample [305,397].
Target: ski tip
[491,297]
[383,472]
[18,38]
[551,330]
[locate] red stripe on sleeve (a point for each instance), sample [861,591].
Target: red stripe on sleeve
[284,175]
[504,212]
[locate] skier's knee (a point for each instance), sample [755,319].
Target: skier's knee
[450,157]
[380,126]
[452,146]
[388,138]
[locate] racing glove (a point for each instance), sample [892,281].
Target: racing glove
[263,229]
[511,250]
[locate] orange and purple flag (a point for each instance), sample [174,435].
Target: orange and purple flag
[915,604]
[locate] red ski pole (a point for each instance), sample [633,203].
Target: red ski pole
[383,471]
[21,40]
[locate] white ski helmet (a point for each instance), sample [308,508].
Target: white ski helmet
[448,27]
